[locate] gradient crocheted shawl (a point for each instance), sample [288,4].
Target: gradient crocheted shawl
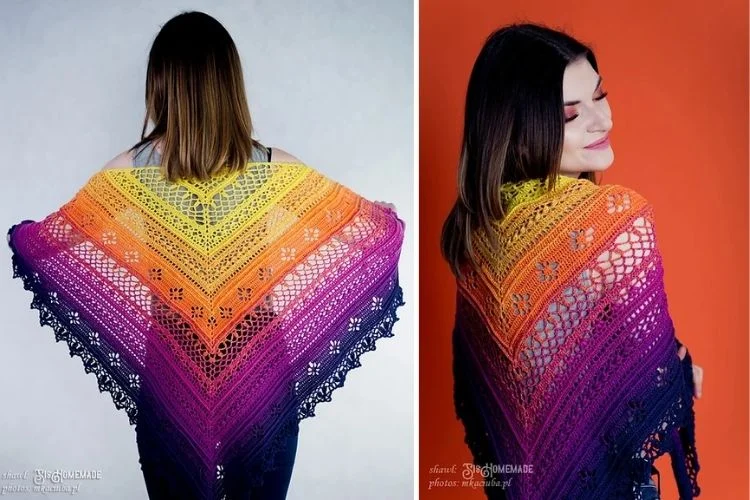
[565,356]
[217,313]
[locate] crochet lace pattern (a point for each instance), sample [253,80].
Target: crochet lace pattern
[564,352]
[217,314]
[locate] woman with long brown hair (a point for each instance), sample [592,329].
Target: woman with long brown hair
[569,380]
[219,289]
[195,101]
[201,124]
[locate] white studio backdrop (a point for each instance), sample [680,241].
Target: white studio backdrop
[331,82]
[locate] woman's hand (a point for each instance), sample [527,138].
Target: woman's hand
[386,205]
[697,372]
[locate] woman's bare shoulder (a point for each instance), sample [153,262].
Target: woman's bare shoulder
[278,154]
[123,160]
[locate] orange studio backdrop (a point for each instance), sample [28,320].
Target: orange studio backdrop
[677,76]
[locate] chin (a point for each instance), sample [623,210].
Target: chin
[600,163]
[601,166]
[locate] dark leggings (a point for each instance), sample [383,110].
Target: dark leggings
[276,482]
[164,482]
[650,490]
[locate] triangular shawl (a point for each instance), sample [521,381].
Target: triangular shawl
[217,313]
[565,356]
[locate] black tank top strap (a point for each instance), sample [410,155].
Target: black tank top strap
[146,154]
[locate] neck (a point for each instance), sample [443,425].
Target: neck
[574,175]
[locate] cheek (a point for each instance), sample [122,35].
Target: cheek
[572,139]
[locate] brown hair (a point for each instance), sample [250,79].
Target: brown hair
[513,128]
[195,97]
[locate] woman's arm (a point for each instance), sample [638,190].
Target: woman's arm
[697,371]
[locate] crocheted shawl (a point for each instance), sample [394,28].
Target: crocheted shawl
[217,313]
[565,356]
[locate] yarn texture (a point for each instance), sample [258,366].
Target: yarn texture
[217,314]
[564,352]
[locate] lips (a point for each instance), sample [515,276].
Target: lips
[601,142]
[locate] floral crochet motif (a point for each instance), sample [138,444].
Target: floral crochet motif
[211,311]
[564,352]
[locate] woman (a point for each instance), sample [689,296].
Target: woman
[218,289]
[565,360]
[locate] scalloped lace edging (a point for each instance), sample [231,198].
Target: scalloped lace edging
[91,364]
[122,401]
[384,328]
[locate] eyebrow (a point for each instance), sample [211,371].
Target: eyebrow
[571,103]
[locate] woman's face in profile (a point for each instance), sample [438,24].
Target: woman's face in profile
[588,120]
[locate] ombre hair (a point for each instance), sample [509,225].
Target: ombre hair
[195,97]
[514,126]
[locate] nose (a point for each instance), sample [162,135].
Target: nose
[601,119]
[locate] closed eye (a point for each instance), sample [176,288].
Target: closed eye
[571,118]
